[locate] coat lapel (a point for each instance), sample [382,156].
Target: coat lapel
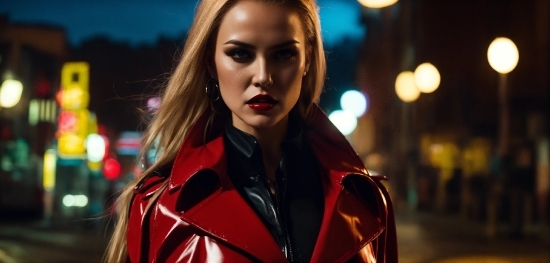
[348,225]
[224,215]
[229,218]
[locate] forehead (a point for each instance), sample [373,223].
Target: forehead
[257,20]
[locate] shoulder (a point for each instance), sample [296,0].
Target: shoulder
[146,187]
[151,182]
[370,190]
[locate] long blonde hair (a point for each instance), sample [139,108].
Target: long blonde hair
[184,99]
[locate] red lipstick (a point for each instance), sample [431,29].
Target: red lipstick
[262,102]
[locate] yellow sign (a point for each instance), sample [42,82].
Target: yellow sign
[92,123]
[75,73]
[95,166]
[74,121]
[73,133]
[74,97]
[70,144]
[82,122]
[50,160]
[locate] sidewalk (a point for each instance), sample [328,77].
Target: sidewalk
[440,238]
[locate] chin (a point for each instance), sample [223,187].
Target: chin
[260,121]
[263,122]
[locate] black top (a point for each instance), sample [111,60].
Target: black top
[294,214]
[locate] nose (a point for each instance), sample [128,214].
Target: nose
[262,76]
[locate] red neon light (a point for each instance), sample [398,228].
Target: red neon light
[111,169]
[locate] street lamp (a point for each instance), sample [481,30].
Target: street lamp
[10,93]
[503,57]
[426,78]
[408,92]
[405,87]
[377,3]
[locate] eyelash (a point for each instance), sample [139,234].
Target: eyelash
[286,54]
[242,55]
[238,54]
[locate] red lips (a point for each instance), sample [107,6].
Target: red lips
[262,102]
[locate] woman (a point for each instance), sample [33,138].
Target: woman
[249,168]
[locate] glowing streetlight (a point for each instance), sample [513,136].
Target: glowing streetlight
[10,93]
[405,88]
[354,102]
[503,55]
[377,3]
[426,78]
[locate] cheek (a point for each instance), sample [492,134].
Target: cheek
[292,79]
[229,78]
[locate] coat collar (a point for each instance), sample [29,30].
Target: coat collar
[347,225]
[224,215]
[324,135]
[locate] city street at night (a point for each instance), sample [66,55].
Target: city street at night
[423,237]
[254,126]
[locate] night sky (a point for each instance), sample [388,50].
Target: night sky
[143,21]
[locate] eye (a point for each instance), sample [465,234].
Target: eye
[239,54]
[286,54]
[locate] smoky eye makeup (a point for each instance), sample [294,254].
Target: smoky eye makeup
[239,54]
[286,54]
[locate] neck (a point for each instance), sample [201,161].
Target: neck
[270,140]
[270,143]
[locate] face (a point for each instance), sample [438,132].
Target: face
[260,60]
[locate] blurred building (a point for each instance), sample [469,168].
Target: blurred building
[437,143]
[33,55]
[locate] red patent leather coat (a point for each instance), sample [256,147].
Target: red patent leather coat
[358,223]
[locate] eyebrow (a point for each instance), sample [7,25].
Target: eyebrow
[246,45]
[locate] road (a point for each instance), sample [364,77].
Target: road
[423,237]
[37,241]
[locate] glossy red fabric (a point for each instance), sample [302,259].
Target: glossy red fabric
[223,227]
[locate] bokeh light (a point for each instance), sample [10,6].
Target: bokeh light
[111,169]
[503,55]
[354,102]
[377,3]
[69,200]
[345,121]
[10,93]
[426,78]
[95,147]
[405,88]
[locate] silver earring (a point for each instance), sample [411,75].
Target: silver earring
[212,89]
